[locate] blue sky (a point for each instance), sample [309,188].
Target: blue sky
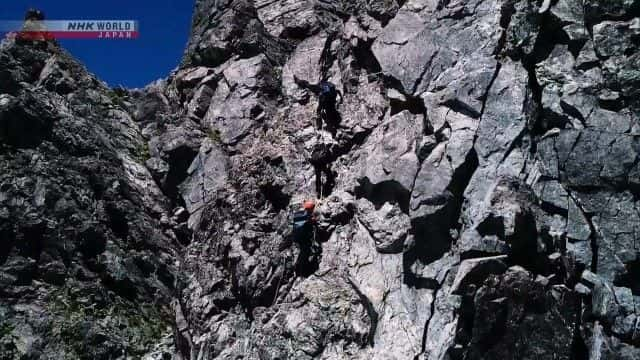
[164,30]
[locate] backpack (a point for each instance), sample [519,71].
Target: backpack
[328,91]
[320,155]
[301,226]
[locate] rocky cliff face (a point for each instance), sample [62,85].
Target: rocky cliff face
[88,256]
[480,202]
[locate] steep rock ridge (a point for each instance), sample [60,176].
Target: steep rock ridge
[479,202]
[88,257]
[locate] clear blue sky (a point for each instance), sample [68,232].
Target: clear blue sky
[164,30]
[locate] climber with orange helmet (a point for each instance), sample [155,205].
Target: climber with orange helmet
[304,221]
[309,205]
[304,229]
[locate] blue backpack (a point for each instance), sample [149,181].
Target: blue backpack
[302,227]
[328,91]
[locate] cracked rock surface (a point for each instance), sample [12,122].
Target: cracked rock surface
[481,198]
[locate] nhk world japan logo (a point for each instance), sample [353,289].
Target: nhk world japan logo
[72,29]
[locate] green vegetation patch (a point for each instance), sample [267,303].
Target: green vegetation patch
[215,136]
[87,330]
[142,153]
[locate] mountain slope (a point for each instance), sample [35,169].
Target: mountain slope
[88,258]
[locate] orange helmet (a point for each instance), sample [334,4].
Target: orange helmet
[309,205]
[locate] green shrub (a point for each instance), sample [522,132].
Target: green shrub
[6,329]
[143,153]
[118,96]
[215,136]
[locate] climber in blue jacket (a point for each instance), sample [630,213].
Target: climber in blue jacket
[327,100]
[304,228]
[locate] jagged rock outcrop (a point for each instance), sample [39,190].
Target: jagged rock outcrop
[88,268]
[478,188]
